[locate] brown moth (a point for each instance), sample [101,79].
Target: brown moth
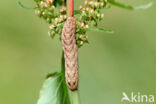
[70,53]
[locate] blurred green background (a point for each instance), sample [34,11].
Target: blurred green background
[110,64]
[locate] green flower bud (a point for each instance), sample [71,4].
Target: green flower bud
[38,12]
[48,20]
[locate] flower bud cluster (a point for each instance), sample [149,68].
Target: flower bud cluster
[89,16]
[56,25]
[81,29]
[47,11]
[91,13]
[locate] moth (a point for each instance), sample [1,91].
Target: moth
[70,53]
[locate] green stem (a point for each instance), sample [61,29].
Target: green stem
[74,95]
[64,82]
[75,98]
[63,64]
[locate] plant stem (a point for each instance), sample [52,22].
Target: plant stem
[67,99]
[74,95]
[70,8]
[75,98]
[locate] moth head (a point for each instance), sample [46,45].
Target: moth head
[72,85]
[72,81]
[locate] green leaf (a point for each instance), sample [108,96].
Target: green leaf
[59,3]
[121,5]
[108,6]
[24,7]
[101,30]
[52,91]
[36,0]
[76,12]
[144,6]
[52,74]
[61,25]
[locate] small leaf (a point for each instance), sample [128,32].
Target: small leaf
[59,3]
[121,5]
[144,6]
[61,25]
[76,12]
[52,74]
[52,91]
[101,30]
[36,0]
[24,7]
[108,6]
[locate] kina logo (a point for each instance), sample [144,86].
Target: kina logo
[137,98]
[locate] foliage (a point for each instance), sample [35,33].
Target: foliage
[54,90]
[129,7]
[54,12]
